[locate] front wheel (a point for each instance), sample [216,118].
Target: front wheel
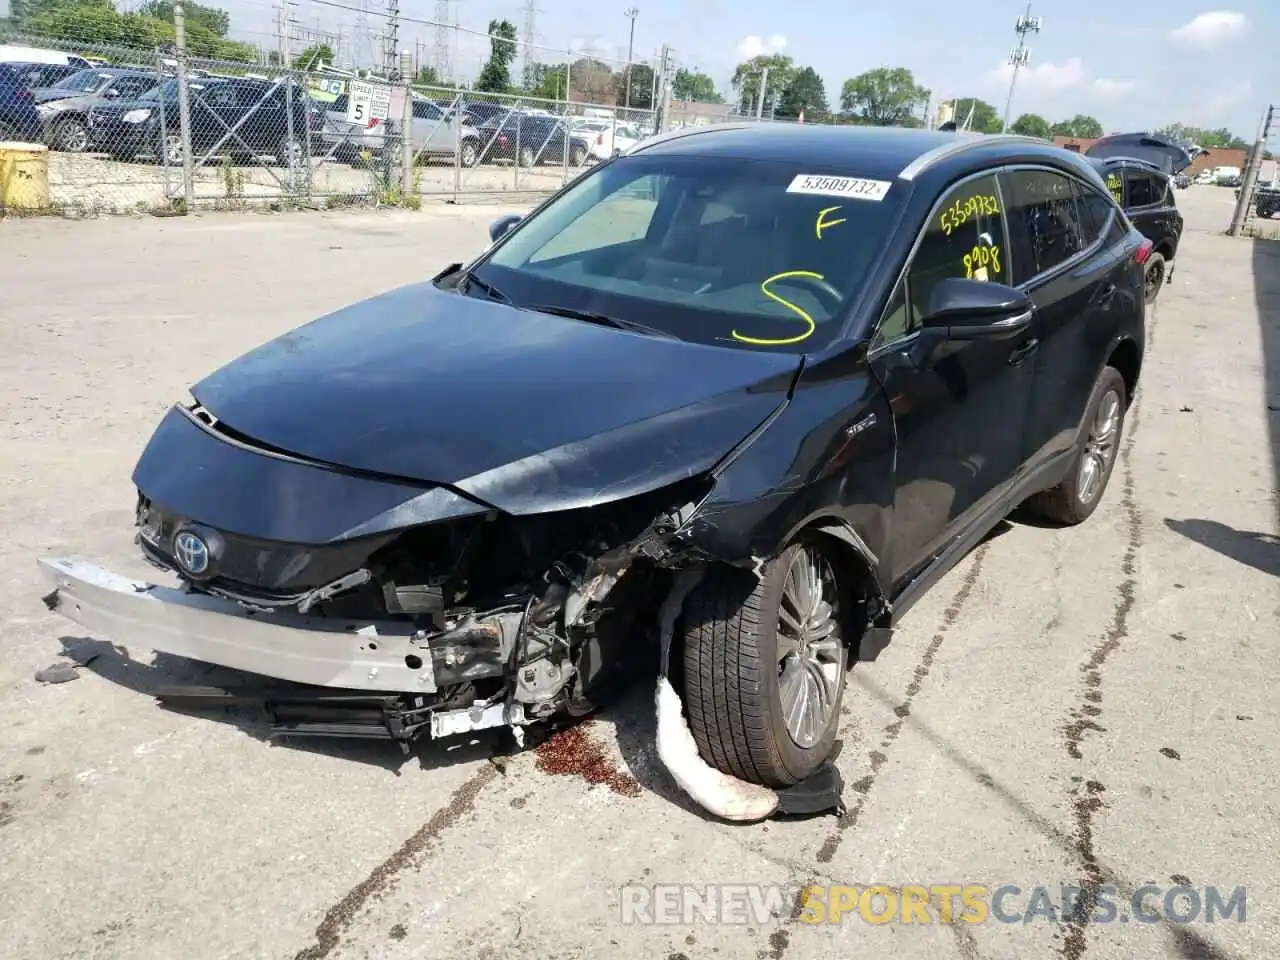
[578,157]
[764,667]
[290,153]
[468,154]
[525,157]
[71,136]
[1097,446]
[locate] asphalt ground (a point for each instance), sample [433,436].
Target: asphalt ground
[1094,707]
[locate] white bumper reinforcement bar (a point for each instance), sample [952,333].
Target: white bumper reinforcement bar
[350,655]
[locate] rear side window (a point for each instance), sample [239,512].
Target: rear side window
[1142,188]
[1095,210]
[1043,219]
[964,238]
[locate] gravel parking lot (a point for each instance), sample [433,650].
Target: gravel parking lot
[1082,707]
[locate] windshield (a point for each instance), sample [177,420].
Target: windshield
[748,254]
[83,81]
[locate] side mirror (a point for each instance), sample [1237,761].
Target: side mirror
[500,227]
[963,309]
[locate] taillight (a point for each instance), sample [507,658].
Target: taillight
[25,95]
[599,139]
[1143,251]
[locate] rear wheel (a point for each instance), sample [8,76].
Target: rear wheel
[170,149]
[525,157]
[1153,279]
[764,667]
[290,153]
[579,156]
[468,153]
[1074,500]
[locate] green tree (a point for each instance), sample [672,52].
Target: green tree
[495,76]
[545,80]
[641,86]
[1221,139]
[746,79]
[312,57]
[210,19]
[1080,126]
[428,76]
[885,96]
[690,85]
[98,22]
[980,116]
[1032,125]
[805,94]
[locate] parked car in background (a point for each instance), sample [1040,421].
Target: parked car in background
[13,53]
[1145,192]
[18,117]
[435,133]
[256,110]
[1181,181]
[39,75]
[614,139]
[530,139]
[64,107]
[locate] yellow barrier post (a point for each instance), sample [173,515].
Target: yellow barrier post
[24,176]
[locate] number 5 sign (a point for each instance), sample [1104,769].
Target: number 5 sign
[367,103]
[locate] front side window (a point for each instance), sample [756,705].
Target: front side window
[1043,220]
[760,255]
[965,237]
[1095,211]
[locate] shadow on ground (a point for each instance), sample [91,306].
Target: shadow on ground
[1266,286]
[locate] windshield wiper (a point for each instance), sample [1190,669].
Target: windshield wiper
[485,287]
[603,320]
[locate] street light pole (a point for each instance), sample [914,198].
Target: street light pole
[630,13]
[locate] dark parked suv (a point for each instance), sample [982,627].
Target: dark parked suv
[731,403]
[1147,195]
[18,117]
[243,118]
[530,139]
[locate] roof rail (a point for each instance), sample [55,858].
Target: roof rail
[963,142]
[686,132]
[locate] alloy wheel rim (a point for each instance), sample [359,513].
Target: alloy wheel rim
[1099,448]
[810,651]
[468,155]
[1155,277]
[74,137]
[173,149]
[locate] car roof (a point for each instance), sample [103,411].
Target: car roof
[886,153]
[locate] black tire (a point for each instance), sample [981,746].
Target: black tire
[291,146]
[1153,277]
[469,153]
[578,157]
[730,627]
[169,147]
[70,135]
[1064,504]
[525,157]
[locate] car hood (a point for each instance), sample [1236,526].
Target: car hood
[79,101]
[1171,157]
[49,94]
[524,411]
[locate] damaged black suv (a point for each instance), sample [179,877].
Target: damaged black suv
[729,404]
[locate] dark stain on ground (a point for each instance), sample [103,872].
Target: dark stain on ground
[1171,753]
[1189,945]
[1180,879]
[677,956]
[903,710]
[571,752]
[1087,803]
[779,940]
[518,802]
[1181,638]
[340,916]
[35,751]
[398,932]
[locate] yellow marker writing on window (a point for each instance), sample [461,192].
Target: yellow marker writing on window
[979,258]
[764,288]
[823,223]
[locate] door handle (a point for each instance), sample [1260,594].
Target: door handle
[1021,353]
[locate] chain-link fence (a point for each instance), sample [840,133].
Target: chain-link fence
[134,132]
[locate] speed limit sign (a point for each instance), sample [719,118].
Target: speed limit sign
[367,102]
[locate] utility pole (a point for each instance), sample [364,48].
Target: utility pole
[1251,174]
[282,32]
[630,13]
[1020,56]
[184,106]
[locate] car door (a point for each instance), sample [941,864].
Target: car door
[433,132]
[1057,226]
[1146,202]
[959,407]
[211,108]
[130,87]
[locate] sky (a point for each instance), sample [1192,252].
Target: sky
[1133,66]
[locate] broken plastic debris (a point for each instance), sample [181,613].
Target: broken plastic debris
[819,793]
[61,672]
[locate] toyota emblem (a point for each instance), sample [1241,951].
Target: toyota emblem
[191,552]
